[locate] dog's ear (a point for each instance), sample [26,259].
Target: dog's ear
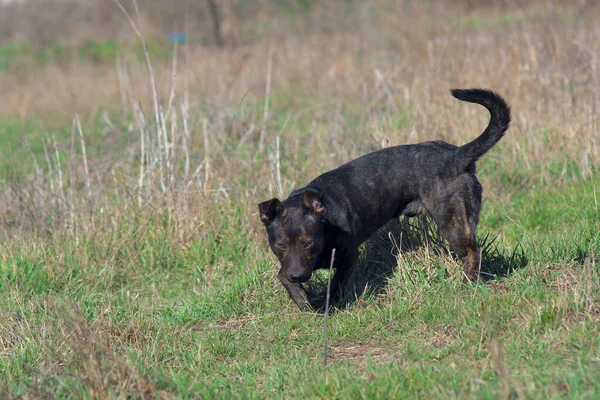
[269,210]
[313,201]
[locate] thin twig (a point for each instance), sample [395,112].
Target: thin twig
[327,310]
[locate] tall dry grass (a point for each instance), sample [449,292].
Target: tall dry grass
[192,135]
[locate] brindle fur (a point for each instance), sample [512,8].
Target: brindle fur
[342,208]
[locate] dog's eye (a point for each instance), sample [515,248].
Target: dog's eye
[281,245]
[308,245]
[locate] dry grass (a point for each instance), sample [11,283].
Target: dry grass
[361,353]
[87,348]
[342,85]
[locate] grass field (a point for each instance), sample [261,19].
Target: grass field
[133,263]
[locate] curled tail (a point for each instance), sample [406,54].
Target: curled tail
[499,121]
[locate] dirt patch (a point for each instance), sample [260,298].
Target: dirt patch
[360,353]
[442,338]
[498,287]
[231,324]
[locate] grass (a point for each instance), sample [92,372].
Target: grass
[133,263]
[19,56]
[221,326]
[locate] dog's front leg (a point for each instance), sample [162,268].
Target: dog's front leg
[296,292]
[345,265]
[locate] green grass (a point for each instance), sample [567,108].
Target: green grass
[21,56]
[210,320]
[23,141]
[135,310]
[132,310]
[11,51]
[13,134]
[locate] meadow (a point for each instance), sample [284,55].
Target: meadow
[133,263]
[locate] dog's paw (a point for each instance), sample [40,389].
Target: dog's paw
[323,310]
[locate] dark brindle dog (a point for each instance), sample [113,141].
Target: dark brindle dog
[344,207]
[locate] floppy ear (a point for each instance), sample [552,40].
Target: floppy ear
[313,201]
[269,210]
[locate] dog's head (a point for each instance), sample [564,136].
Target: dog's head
[296,230]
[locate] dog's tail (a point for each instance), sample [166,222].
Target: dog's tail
[499,121]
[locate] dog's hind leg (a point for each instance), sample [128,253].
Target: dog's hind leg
[455,227]
[456,216]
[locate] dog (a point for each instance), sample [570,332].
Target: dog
[342,208]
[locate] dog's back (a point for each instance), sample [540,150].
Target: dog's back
[390,182]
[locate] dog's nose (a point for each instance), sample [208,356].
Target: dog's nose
[297,277]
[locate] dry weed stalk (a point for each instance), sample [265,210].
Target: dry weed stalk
[267,99]
[327,304]
[498,352]
[105,372]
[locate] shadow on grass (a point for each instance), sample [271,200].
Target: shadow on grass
[378,260]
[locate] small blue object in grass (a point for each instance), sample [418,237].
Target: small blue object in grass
[177,37]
